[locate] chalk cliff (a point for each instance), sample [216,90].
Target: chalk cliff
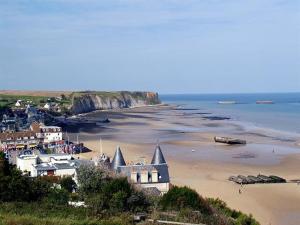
[83,102]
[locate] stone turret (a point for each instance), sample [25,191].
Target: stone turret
[118,159]
[158,157]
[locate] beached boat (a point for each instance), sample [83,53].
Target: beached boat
[264,102]
[230,141]
[226,102]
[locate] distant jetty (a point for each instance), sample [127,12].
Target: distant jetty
[264,102]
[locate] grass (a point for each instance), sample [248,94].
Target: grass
[37,213]
[10,100]
[14,219]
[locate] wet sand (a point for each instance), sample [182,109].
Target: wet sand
[209,165]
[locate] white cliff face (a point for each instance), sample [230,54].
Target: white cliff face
[93,101]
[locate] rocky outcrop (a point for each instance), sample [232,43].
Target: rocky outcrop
[91,101]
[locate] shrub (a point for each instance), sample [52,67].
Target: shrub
[68,184]
[117,195]
[238,217]
[57,197]
[183,197]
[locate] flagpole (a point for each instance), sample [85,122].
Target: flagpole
[101,150]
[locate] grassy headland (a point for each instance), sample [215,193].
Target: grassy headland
[69,102]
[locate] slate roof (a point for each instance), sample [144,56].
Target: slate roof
[15,135]
[158,157]
[44,167]
[158,164]
[162,169]
[64,166]
[118,159]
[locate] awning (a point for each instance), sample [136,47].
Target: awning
[20,146]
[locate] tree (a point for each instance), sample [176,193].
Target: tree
[68,184]
[183,197]
[90,179]
[63,97]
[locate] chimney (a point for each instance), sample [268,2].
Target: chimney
[144,176]
[154,175]
[133,176]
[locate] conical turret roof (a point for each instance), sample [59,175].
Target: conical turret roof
[158,157]
[118,159]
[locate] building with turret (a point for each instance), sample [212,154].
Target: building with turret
[147,176]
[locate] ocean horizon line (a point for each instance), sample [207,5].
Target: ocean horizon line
[228,93]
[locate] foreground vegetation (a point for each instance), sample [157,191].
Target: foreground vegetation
[109,200]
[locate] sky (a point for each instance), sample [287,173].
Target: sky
[168,46]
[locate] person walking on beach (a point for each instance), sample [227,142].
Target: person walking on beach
[240,192]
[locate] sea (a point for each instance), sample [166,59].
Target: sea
[282,115]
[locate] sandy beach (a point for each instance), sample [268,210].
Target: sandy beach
[195,160]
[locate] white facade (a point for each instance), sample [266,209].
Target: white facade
[25,162]
[47,106]
[50,134]
[18,103]
[65,172]
[47,165]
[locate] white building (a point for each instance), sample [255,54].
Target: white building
[18,103]
[25,161]
[147,176]
[47,164]
[51,134]
[47,106]
[48,135]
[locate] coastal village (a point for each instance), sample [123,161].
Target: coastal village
[40,150]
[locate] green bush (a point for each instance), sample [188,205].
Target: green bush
[238,217]
[117,195]
[68,184]
[16,187]
[57,197]
[183,197]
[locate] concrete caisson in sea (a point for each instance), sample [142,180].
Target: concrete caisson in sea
[264,102]
[226,102]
